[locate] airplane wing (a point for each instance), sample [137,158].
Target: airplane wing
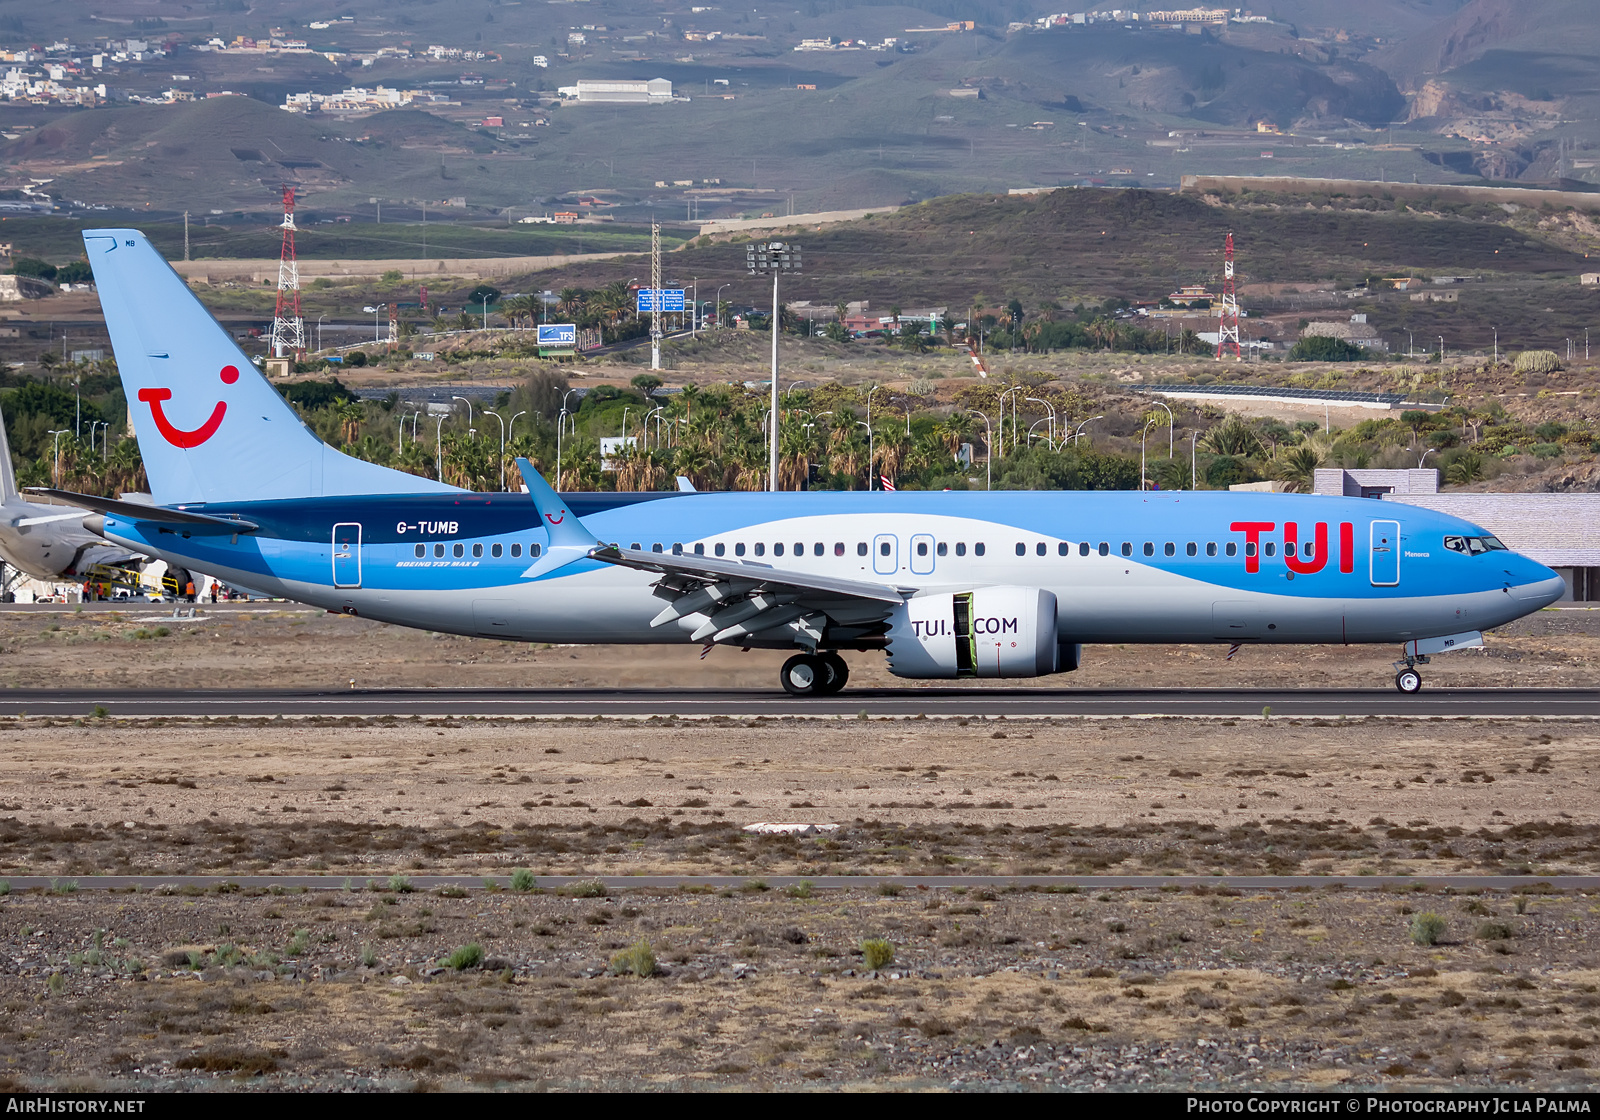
[755,604]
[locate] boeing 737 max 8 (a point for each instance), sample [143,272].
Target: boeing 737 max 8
[1006,584]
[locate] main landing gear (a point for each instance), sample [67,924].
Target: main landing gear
[814,674]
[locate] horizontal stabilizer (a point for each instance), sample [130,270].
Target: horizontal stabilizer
[138,511]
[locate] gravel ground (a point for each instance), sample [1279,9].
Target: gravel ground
[753,989]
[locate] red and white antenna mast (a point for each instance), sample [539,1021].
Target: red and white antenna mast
[1228,329]
[288,338]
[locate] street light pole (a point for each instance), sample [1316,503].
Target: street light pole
[716,305]
[496,415]
[1144,483]
[319,332]
[773,257]
[1171,423]
[438,446]
[468,403]
[1052,409]
[988,450]
[55,475]
[1079,433]
[1194,462]
[870,478]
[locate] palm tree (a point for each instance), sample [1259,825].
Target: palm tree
[1297,466]
[572,300]
[1103,332]
[1232,437]
[350,417]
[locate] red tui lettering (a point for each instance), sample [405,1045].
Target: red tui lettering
[1316,560]
[1252,531]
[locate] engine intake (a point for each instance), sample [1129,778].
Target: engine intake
[986,632]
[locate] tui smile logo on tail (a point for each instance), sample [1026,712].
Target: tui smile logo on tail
[177,436]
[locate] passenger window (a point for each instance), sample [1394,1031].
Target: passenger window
[1249,548]
[1288,549]
[738,549]
[477,551]
[700,550]
[977,549]
[1191,549]
[656,547]
[1211,548]
[1040,548]
[677,549]
[1272,548]
[1022,549]
[838,548]
[961,548]
[1063,549]
[422,550]
[942,549]
[720,549]
[1172,549]
[533,550]
[800,548]
[1127,548]
[777,549]
[1105,549]
[1233,548]
[636,546]
[458,551]
[922,548]
[761,549]
[1149,549]
[1083,549]
[817,549]
[438,551]
[883,549]
[495,550]
[861,548]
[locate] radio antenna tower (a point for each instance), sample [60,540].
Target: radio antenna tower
[655,295]
[1228,328]
[288,338]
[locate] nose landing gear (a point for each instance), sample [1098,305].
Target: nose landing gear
[814,674]
[1406,677]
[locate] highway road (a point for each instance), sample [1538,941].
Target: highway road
[69,883]
[1014,703]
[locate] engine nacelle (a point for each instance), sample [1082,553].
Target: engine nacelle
[986,632]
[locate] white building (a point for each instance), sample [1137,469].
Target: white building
[655,91]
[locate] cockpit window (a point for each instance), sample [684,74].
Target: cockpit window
[1474,546]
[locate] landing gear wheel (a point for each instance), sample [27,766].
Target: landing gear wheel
[839,670]
[804,674]
[1408,680]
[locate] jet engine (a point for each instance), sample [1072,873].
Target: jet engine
[986,632]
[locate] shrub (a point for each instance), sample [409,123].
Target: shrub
[1320,348]
[877,953]
[802,889]
[469,955]
[299,945]
[890,890]
[1427,928]
[639,960]
[1494,931]
[5,887]
[522,880]
[369,956]
[400,884]
[1536,361]
[589,888]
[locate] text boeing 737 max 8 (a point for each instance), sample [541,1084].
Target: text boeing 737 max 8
[947,584]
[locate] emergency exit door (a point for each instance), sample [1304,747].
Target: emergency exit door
[347,554]
[1385,553]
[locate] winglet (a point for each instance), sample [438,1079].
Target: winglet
[564,527]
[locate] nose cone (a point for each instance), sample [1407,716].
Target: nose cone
[1536,585]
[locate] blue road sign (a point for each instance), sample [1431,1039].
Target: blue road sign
[670,299]
[558,334]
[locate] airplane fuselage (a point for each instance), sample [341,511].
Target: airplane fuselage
[1124,567]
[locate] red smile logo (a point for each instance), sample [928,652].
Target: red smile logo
[177,436]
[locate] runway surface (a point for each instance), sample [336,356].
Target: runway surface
[65,884]
[907,702]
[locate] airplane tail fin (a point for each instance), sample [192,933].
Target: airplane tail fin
[8,473]
[211,428]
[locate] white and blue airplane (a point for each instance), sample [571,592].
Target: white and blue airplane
[948,585]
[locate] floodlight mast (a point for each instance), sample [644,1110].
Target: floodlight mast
[773,257]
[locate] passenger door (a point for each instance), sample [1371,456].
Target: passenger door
[886,554]
[922,554]
[347,554]
[1385,553]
